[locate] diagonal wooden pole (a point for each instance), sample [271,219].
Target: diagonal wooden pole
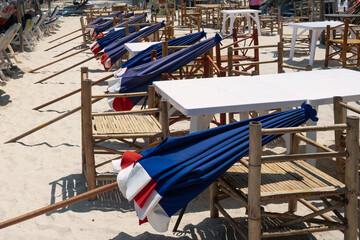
[47,123]
[58,60]
[65,35]
[71,93]
[66,69]
[62,43]
[58,205]
[81,45]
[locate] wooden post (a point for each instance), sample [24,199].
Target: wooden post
[218,55]
[344,44]
[352,177]
[322,18]
[83,30]
[280,57]
[254,214]
[230,61]
[339,118]
[84,75]
[88,135]
[214,212]
[164,119]
[294,149]
[153,55]
[256,50]
[165,49]
[327,49]
[206,65]
[127,29]
[151,96]
[19,18]
[211,68]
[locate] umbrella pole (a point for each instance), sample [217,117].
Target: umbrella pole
[65,35]
[58,205]
[70,50]
[71,93]
[179,218]
[66,69]
[58,60]
[48,123]
[62,43]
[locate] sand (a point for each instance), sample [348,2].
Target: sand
[45,167]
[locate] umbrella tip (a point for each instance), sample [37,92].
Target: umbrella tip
[310,112]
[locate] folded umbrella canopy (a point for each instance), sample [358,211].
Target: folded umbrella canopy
[95,31]
[101,43]
[136,19]
[164,179]
[137,79]
[100,19]
[115,50]
[145,55]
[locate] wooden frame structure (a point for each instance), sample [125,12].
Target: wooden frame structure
[345,50]
[239,55]
[120,126]
[248,65]
[271,21]
[275,178]
[339,112]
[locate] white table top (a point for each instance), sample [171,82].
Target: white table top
[138,47]
[315,25]
[245,93]
[240,11]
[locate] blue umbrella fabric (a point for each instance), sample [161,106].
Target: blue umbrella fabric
[101,43]
[164,179]
[115,50]
[137,79]
[145,55]
[139,18]
[95,31]
[100,19]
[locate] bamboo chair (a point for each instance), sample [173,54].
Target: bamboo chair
[190,16]
[243,40]
[346,50]
[339,112]
[271,21]
[264,179]
[245,66]
[303,42]
[125,127]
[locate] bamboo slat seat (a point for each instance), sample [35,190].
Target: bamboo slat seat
[281,180]
[126,125]
[259,180]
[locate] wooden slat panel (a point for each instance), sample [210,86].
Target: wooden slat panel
[285,178]
[126,124]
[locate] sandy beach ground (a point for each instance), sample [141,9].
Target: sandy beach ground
[45,167]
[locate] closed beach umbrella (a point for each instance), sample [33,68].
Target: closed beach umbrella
[100,19]
[137,79]
[145,55]
[102,42]
[115,50]
[164,179]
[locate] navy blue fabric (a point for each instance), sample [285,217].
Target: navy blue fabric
[106,25]
[100,19]
[184,167]
[137,79]
[134,20]
[109,38]
[145,55]
[116,49]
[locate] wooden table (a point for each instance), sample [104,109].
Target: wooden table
[316,28]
